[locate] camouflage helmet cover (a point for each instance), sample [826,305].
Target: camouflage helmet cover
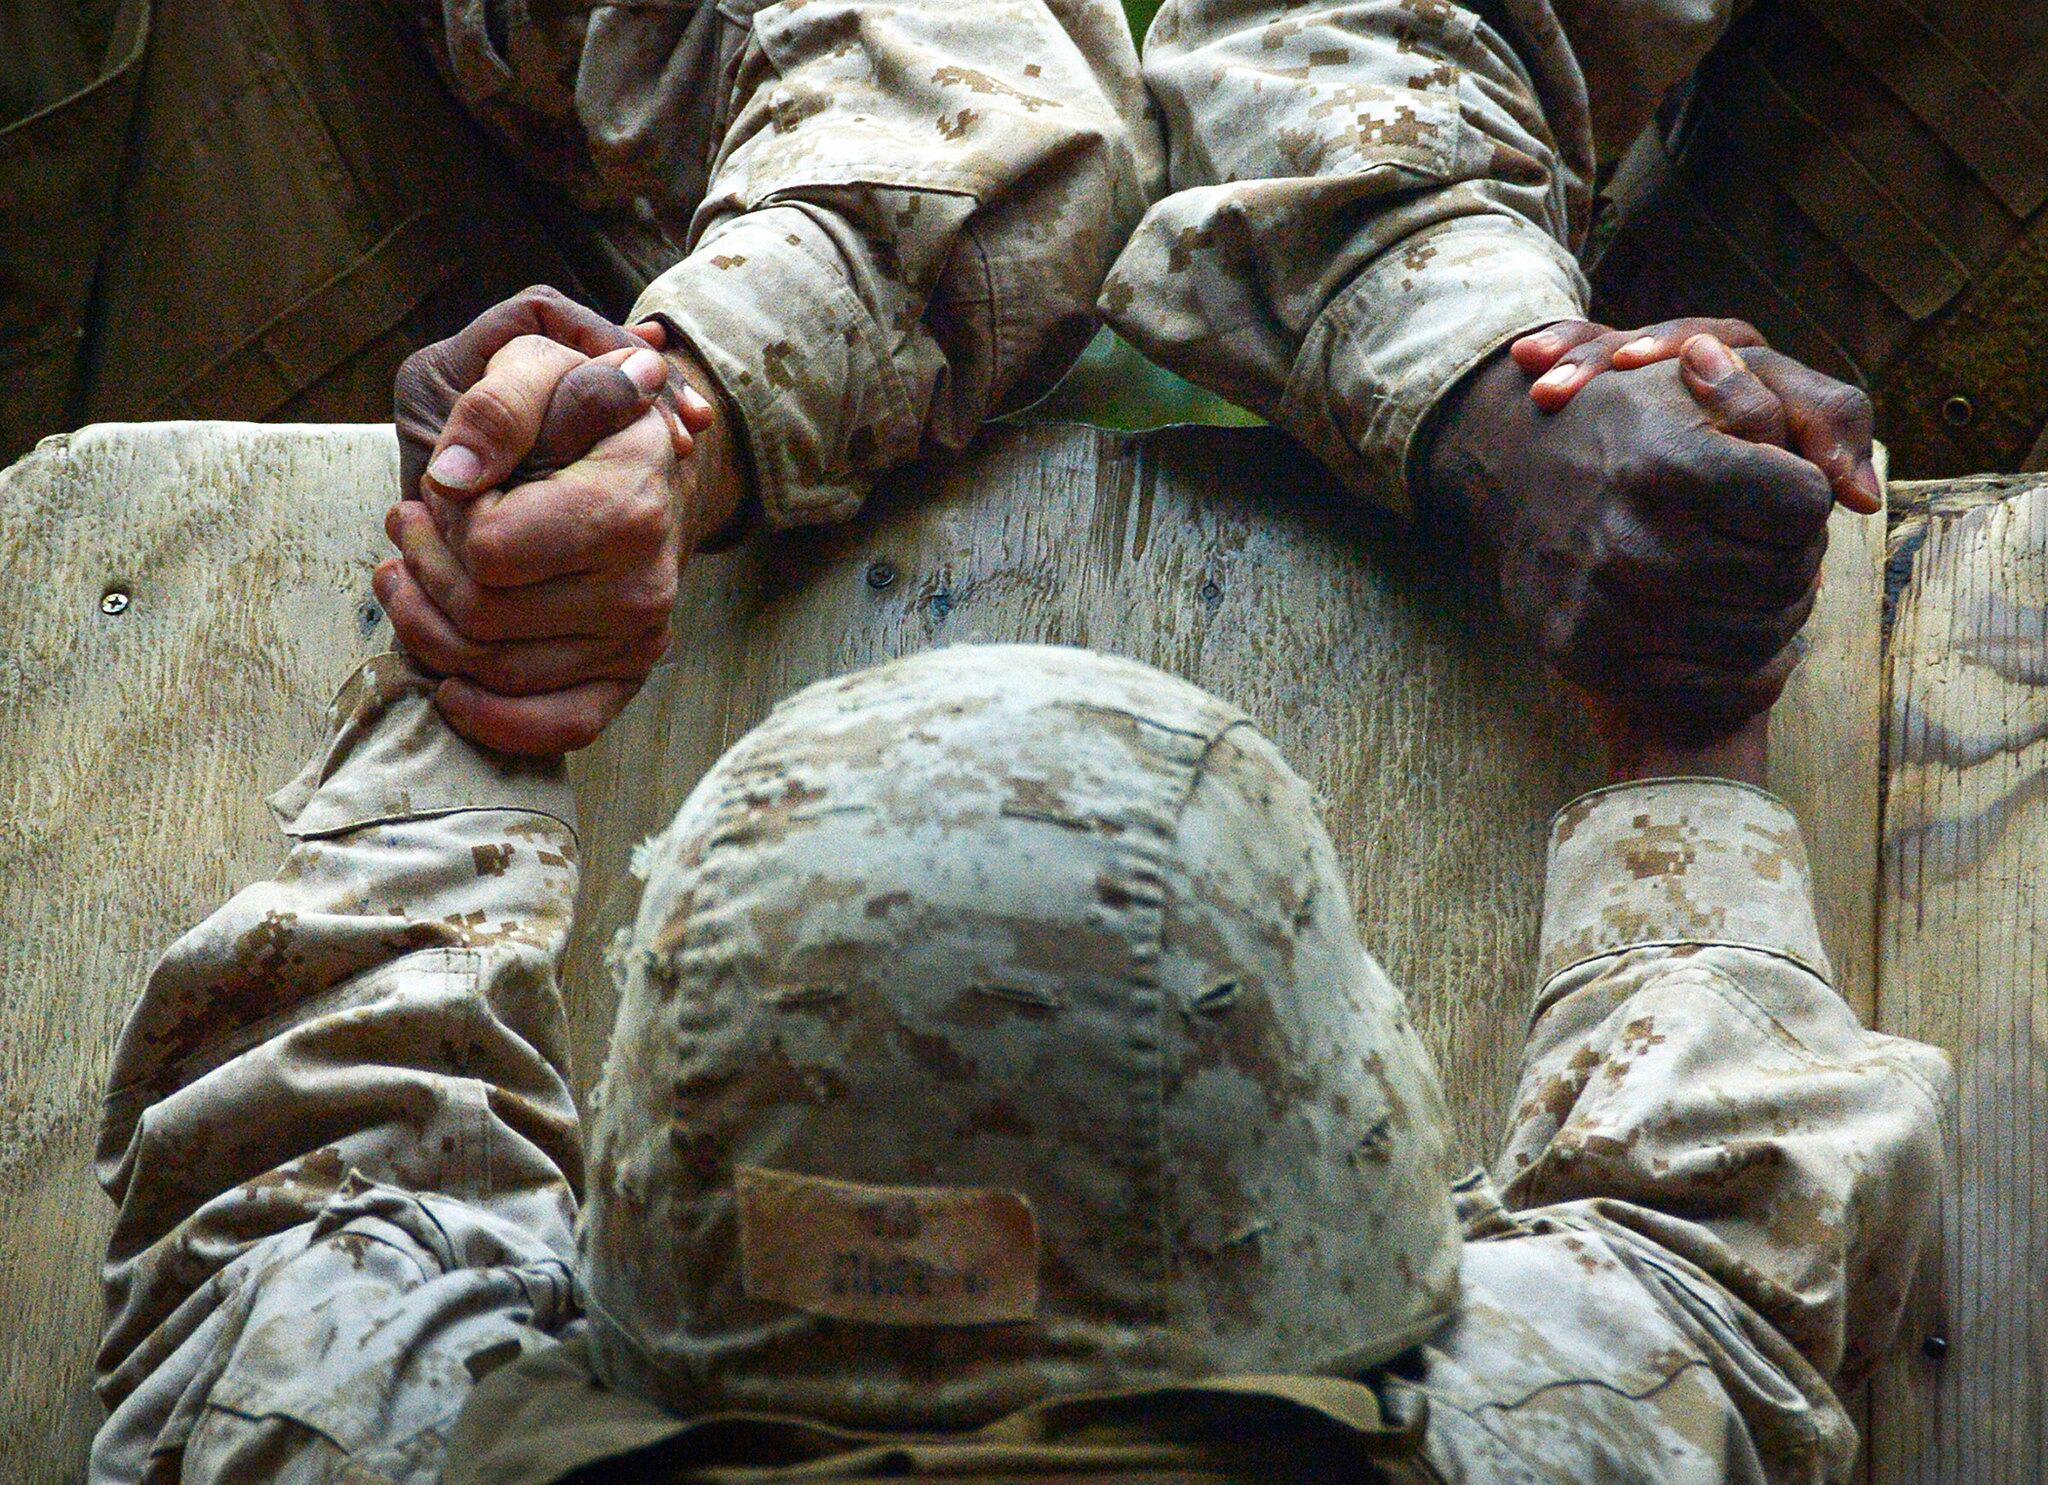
[995,1026]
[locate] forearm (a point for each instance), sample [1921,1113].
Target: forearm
[1367,199]
[906,231]
[382,1011]
[1691,1073]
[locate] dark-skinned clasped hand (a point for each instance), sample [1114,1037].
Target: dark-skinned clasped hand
[1826,421]
[554,479]
[1653,536]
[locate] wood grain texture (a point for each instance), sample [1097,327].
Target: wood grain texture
[1826,749]
[134,752]
[1964,950]
[134,748]
[1225,556]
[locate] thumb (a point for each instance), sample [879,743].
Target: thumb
[1729,393]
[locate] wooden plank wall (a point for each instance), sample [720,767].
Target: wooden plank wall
[134,746]
[1964,956]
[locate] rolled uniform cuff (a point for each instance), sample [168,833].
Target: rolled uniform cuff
[1673,863]
[389,756]
[765,304]
[1406,330]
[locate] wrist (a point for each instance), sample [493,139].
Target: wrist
[1636,751]
[1456,478]
[716,507]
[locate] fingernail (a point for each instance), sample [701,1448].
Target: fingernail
[679,439]
[1557,376]
[695,400]
[646,370]
[456,468]
[1642,345]
[1709,359]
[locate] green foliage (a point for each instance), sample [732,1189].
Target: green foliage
[1112,386]
[1140,13]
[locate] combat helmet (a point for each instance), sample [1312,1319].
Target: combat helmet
[995,1026]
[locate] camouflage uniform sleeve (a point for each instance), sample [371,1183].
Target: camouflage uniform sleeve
[1367,198]
[339,1129]
[1693,1082]
[911,210]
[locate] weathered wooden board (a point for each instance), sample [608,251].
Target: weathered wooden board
[1224,557]
[134,751]
[1964,955]
[1228,557]
[134,746]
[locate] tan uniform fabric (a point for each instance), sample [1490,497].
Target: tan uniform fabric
[1023,923]
[345,1155]
[891,219]
[1368,197]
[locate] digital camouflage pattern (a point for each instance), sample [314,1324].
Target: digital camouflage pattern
[897,215]
[339,1126]
[1033,920]
[1369,197]
[892,216]
[348,1168]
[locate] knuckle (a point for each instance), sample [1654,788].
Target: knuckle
[1570,641]
[1658,466]
[412,635]
[489,413]
[1788,570]
[1813,501]
[491,559]
[649,601]
[578,726]
[497,671]
[1847,405]
[479,620]
[1752,405]
[647,650]
[645,522]
[459,602]
[414,373]
[1621,550]
[1803,572]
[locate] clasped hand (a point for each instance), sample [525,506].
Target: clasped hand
[1654,506]
[555,471]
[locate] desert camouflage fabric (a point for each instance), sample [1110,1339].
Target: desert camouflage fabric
[896,215]
[1118,982]
[1027,920]
[1368,197]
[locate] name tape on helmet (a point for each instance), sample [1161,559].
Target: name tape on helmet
[888,1255]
